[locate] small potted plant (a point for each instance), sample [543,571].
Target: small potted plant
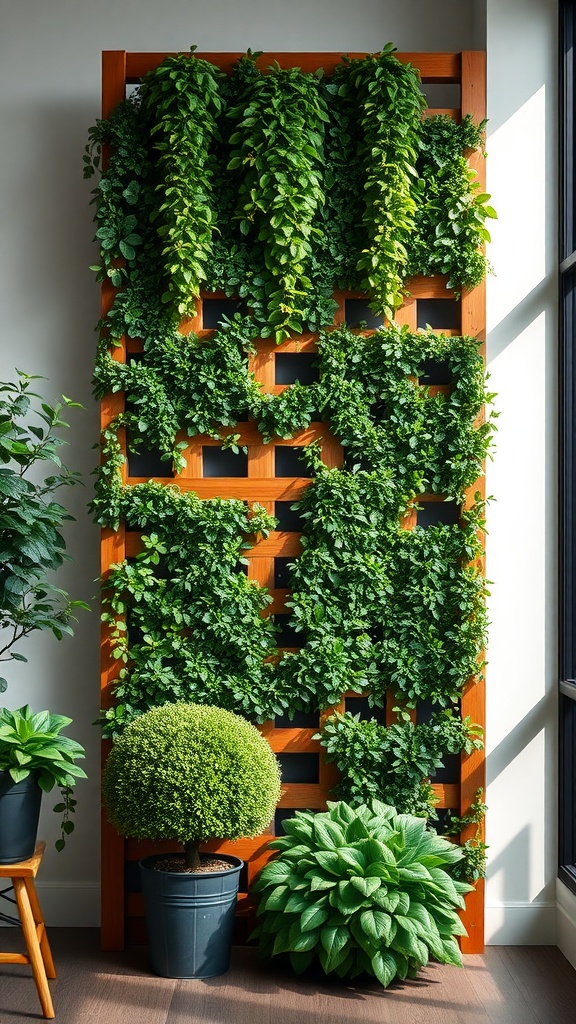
[190,773]
[34,757]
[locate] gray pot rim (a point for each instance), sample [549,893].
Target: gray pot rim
[146,864]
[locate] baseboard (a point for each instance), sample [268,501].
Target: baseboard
[66,905]
[566,925]
[521,924]
[77,905]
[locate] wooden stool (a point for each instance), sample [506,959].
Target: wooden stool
[39,955]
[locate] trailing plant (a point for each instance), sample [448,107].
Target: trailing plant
[395,763]
[450,223]
[278,130]
[32,744]
[31,540]
[191,774]
[388,106]
[473,863]
[360,890]
[318,174]
[181,99]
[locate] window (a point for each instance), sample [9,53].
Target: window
[567,430]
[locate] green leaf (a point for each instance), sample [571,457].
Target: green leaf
[312,917]
[334,940]
[384,967]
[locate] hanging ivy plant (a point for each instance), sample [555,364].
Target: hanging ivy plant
[278,131]
[181,101]
[388,105]
[450,222]
[279,186]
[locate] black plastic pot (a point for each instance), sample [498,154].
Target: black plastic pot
[190,918]
[19,813]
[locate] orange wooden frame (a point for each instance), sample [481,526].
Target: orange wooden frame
[122,913]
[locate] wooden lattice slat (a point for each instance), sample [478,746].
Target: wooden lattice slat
[122,911]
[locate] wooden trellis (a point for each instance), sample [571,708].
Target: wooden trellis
[122,911]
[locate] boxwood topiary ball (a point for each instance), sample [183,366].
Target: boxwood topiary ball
[191,773]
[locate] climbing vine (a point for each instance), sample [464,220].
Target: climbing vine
[397,760]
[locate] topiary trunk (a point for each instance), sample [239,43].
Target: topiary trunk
[191,855]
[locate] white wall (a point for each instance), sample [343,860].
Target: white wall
[49,95]
[521,550]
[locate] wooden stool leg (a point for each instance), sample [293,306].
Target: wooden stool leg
[40,928]
[33,947]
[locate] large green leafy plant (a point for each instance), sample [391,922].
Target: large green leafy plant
[361,890]
[31,539]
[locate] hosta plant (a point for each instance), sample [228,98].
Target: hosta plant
[31,743]
[361,889]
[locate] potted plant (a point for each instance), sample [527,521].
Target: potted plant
[190,773]
[33,756]
[30,519]
[361,890]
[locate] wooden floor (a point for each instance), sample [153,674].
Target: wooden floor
[508,985]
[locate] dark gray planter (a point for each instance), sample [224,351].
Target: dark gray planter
[19,813]
[190,918]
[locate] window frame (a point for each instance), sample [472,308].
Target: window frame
[567,453]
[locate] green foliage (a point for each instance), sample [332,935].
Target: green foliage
[278,187]
[119,196]
[186,623]
[183,385]
[361,890]
[181,100]
[31,540]
[377,606]
[31,743]
[278,130]
[394,763]
[191,773]
[368,390]
[451,214]
[388,106]
[473,863]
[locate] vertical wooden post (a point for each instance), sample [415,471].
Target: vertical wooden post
[473,774]
[113,550]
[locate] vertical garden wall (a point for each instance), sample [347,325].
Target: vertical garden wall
[292,382]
